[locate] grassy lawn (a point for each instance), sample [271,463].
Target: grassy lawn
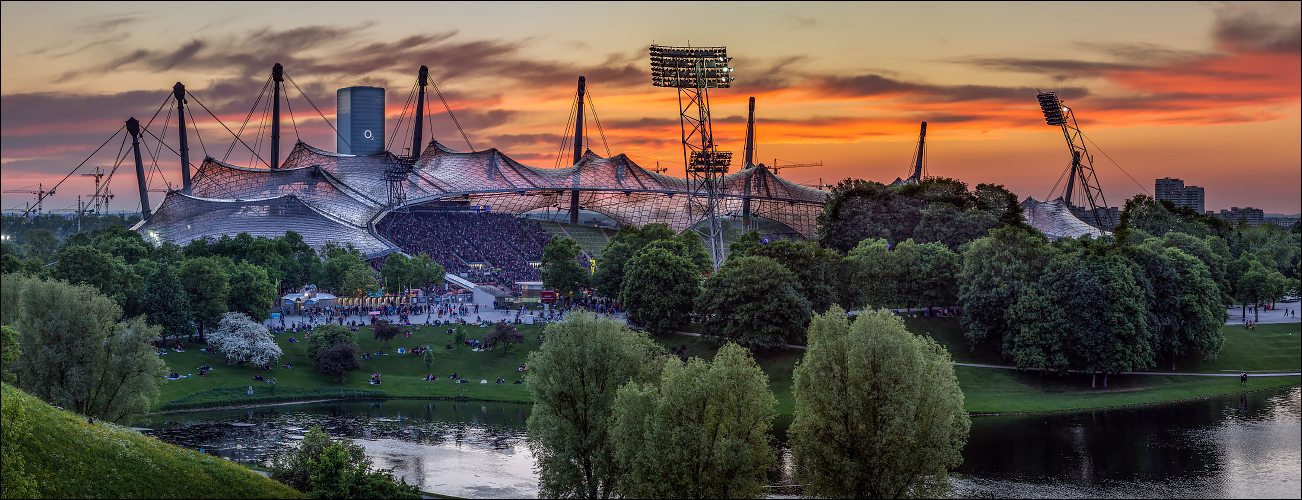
[401,373]
[70,458]
[1276,347]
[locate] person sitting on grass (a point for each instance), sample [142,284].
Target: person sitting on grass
[292,339]
[258,378]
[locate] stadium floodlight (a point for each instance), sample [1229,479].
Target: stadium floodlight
[690,67]
[694,71]
[1052,108]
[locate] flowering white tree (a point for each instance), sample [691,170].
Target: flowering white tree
[244,340]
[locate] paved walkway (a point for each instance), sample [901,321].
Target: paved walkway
[1266,316]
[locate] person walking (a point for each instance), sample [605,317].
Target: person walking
[1243,378]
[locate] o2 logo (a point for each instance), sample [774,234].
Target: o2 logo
[367,134]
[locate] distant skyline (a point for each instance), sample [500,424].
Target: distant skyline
[1209,93]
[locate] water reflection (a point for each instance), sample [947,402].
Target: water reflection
[466,449]
[1233,446]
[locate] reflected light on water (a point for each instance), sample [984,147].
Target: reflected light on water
[1234,446]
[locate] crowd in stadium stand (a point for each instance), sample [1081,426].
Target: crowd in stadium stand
[504,244]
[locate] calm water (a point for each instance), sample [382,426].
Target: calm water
[1233,446]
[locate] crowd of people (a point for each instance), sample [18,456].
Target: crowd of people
[492,249]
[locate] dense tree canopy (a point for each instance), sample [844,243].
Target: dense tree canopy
[574,379]
[755,302]
[165,303]
[206,284]
[659,288]
[879,413]
[700,431]
[560,267]
[95,365]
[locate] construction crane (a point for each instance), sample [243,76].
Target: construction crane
[40,192]
[101,195]
[776,168]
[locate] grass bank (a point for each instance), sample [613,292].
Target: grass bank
[69,458]
[401,373]
[1274,347]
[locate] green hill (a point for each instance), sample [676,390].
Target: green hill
[66,457]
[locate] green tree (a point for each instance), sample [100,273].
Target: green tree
[879,413]
[327,336]
[425,271]
[251,291]
[386,331]
[1260,284]
[1196,326]
[574,379]
[337,360]
[165,303]
[122,242]
[101,367]
[334,475]
[9,352]
[84,265]
[397,272]
[877,279]
[206,284]
[10,263]
[609,278]
[560,269]
[41,244]
[1106,306]
[926,274]
[700,432]
[943,223]
[659,289]
[503,334]
[820,272]
[997,270]
[753,301]
[292,467]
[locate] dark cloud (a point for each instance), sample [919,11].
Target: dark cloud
[872,85]
[507,141]
[109,24]
[1259,27]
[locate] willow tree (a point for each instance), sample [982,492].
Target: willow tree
[701,432]
[879,413]
[573,379]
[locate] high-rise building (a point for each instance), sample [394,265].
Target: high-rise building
[1254,216]
[1176,192]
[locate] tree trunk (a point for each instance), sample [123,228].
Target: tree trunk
[1245,310]
[1093,378]
[1105,380]
[1256,317]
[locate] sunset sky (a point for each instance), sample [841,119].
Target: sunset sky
[1206,92]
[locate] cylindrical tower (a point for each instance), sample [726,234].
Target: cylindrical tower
[361,120]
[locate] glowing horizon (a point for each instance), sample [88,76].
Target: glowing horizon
[1208,94]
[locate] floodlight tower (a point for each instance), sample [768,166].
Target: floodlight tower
[693,71]
[1082,163]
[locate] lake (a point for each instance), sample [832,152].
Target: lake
[1246,445]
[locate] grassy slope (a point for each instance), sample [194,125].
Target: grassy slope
[73,459]
[1270,347]
[401,373]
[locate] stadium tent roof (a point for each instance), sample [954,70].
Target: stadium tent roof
[1055,220]
[328,196]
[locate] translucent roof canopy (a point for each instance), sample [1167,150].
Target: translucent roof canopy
[332,197]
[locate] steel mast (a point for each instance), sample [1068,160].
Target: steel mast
[693,71]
